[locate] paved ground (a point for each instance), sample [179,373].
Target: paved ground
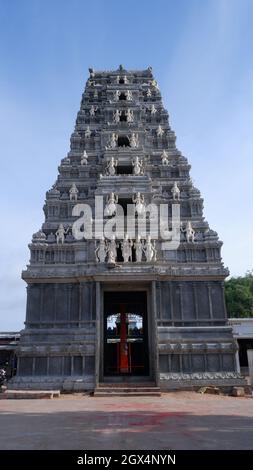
[182,420]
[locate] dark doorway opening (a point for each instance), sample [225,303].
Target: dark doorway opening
[123,141]
[244,345]
[123,117]
[124,203]
[124,170]
[122,96]
[126,351]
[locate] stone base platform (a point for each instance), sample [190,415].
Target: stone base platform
[30,394]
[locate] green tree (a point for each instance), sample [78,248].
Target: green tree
[239,295]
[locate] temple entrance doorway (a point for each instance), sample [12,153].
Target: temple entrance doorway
[126,348]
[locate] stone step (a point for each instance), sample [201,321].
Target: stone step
[29,394]
[126,390]
[127,384]
[126,394]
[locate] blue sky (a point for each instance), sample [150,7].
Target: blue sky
[201,54]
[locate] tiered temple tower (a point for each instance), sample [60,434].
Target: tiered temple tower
[124,309]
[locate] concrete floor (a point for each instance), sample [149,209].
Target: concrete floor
[182,420]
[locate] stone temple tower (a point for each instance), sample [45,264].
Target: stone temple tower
[103,309]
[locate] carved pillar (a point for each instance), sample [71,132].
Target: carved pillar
[210,301]
[41,306]
[155,347]
[69,290]
[171,303]
[181,301]
[33,366]
[98,354]
[195,301]
[56,288]
[223,301]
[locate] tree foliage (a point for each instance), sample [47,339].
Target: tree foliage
[239,296]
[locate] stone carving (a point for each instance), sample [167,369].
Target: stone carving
[190,233]
[87,133]
[180,277]
[101,251]
[123,79]
[60,234]
[159,131]
[111,201]
[73,193]
[199,376]
[112,251]
[149,250]
[116,95]
[111,167]
[153,109]
[165,158]
[116,115]
[139,202]
[139,249]
[84,158]
[133,139]
[137,166]
[175,192]
[112,144]
[126,249]
[92,73]
[129,95]
[129,115]
[51,237]
[93,110]
[154,84]
[39,237]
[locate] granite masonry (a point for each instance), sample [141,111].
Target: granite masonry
[124,309]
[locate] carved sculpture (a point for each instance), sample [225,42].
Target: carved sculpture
[133,139]
[159,131]
[165,158]
[139,248]
[112,251]
[126,249]
[60,234]
[149,93]
[129,115]
[87,133]
[139,202]
[111,165]
[112,144]
[93,110]
[175,191]
[153,109]
[116,115]
[111,201]
[73,193]
[101,251]
[190,233]
[129,95]
[137,166]
[116,95]
[149,250]
[84,158]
